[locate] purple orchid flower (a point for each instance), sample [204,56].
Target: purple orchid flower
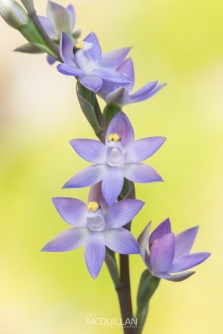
[95,226]
[120,157]
[58,19]
[121,94]
[85,60]
[169,254]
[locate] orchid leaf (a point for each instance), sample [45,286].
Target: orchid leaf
[147,286]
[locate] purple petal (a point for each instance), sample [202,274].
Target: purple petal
[67,240]
[143,93]
[95,195]
[94,252]
[141,173]
[176,278]
[87,177]
[111,75]
[121,125]
[121,213]
[112,184]
[184,242]
[121,241]
[72,210]
[90,150]
[66,50]
[48,27]
[143,149]
[95,50]
[59,17]
[127,68]
[161,230]
[71,12]
[107,88]
[161,253]
[114,58]
[142,241]
[188,261]
[134,99]
[69,70]
[119,96]
[92,82]
[50,60]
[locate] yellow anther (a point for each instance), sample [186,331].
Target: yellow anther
[93,206]
[114,137]
[79,45]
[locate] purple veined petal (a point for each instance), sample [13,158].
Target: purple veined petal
[112,183]
[184,242]
[127,68]
[161,230]
[66,50]
[90,150]
[114,58]
[134,99]
[95,50]
[72,210]
[121,125]
[176,278]
[69,70]
[95,195]
[59,17]
[122,212]
[72,14]
[50,60]
[121,241]
[143,149]
[87,177]
[67,240]
[92,82]
[111,75]
[188,261]
[141,173]
[48,27]
[161,253]
[119,96]
[143,92]
[142,241]
[94,252]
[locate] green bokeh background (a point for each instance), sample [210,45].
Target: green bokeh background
[179,42]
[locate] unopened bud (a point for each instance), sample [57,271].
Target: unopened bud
[28,4]
[13,13]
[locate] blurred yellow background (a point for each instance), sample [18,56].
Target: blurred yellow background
[179,42]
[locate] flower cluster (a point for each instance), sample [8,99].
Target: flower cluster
[117,160]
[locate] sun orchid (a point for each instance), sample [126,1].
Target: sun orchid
[169,254]
[120,157]
[121,94]
[85,60]
[58,19]
[95,226]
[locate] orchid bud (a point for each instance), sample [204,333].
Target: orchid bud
[13,13]
[28,4]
